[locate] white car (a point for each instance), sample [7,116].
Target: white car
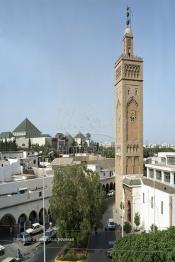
[111,193]
[36,228]
[49,235]
[111,224]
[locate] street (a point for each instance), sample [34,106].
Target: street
[52,249]
[99,243]
[97,247]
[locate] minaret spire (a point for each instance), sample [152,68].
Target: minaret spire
[128,17]
[128,36]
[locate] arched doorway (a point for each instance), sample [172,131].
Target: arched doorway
[107,188]
[129,211]
[41,216]
[7,226]
[111,186]
[22,222]
[33,217]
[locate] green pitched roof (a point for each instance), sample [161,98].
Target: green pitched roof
[6,135]
[28,128]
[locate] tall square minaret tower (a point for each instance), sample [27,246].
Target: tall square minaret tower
[129,113]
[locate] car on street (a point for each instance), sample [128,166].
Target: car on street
[35,229]
[111,225]
[111,193]
[25,238]
[48,236]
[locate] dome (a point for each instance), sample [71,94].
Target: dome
[128,30]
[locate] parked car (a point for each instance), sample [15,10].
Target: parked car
[111,225]
[25,238]
[111,193]
[49,235]
[36,228]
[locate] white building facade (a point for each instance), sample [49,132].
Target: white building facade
[21,198]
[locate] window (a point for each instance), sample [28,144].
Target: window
[163,160]
[143,197]
[34,162]
[167,177]
[40,194]
[170,160]
[174,178]
[158,175]
[151,173]
[151,202]
[161,207]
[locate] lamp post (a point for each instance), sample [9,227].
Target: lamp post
[122,209]
[44,243]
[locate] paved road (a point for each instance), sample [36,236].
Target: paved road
[99,243]
[52,250]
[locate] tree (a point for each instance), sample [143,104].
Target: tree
[146,247]
[77,203]
[29,145]
[137,219]
[88,136]
[127,227]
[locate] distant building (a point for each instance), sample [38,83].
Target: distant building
[26,132]
[26,129]
[8,136]
[80,139]
[107,144]
[27,159]
[106,170]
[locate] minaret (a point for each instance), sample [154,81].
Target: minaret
[129,113]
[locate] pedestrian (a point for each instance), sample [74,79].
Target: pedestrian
[95,229]
[19,255]
[11,231]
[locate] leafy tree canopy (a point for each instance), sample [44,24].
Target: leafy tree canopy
[146,247]
[77,203]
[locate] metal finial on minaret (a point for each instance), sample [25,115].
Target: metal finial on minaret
[128,17]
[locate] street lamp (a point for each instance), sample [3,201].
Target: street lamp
[44,243]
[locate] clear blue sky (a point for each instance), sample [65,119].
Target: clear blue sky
[57,64]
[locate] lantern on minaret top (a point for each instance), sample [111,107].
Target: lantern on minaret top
[128,36]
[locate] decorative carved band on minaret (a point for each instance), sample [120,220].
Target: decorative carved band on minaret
[132,71]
